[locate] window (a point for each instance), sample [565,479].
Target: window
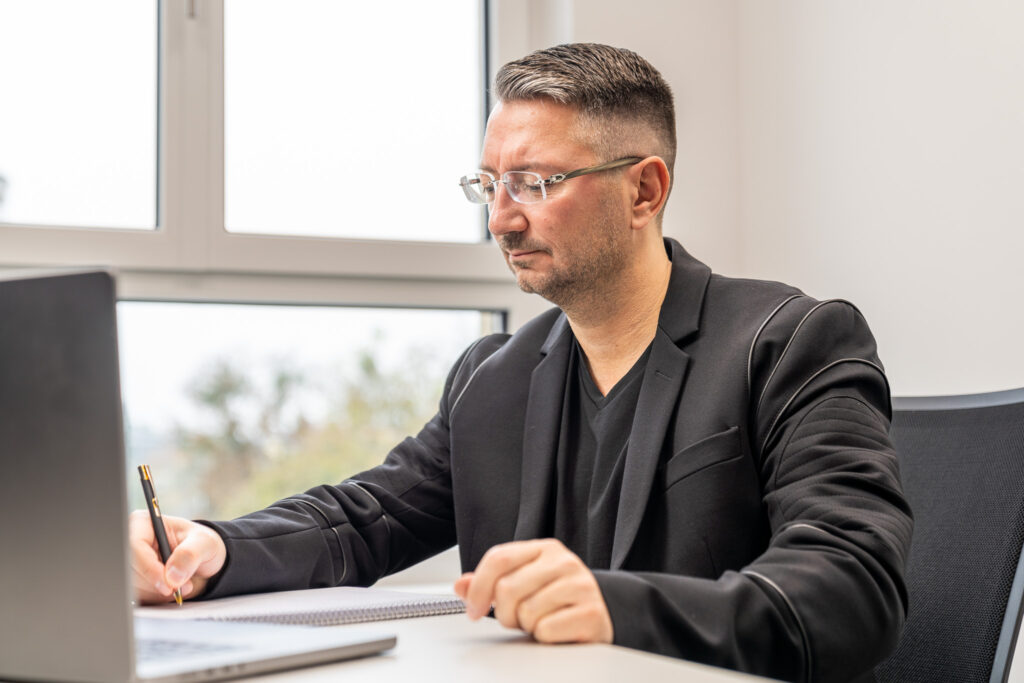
[78,142]
[237,406]
[333,110]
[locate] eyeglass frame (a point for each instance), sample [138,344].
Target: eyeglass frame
[544,183]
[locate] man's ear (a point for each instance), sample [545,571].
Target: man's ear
[651,190]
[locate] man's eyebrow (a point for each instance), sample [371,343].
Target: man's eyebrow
[528,166]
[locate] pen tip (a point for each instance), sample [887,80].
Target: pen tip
[177,597]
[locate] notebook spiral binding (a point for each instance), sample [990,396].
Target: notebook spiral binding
[355,615]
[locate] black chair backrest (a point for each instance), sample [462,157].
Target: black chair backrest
[962,464]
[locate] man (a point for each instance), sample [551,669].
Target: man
[670,460]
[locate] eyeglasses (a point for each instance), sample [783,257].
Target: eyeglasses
[526,187]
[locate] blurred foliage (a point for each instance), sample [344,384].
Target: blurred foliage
[260,445]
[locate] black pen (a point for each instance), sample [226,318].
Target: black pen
[158,520]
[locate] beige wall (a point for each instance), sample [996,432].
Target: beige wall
[882,160]
[867,150]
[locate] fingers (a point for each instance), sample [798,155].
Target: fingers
[496,563]
[575,624]
[462,584]
[570,609]
[540,587]
[198,553]
[147,569]
[525,588]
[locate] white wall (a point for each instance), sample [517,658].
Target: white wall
[867,150]
[882,160]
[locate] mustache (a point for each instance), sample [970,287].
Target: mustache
[516,241]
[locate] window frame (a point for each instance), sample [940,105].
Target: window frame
[191,257]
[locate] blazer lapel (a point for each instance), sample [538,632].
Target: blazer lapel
[663,379]
[541,431]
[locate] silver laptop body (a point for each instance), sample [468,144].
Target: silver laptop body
[65,593]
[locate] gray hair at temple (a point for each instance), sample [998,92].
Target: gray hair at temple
[625,105]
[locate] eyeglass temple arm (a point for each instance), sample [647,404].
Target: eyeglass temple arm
[608,165]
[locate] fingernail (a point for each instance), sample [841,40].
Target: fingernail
[176,576]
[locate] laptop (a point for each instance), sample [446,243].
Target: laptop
[65,589]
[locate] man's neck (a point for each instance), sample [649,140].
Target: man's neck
[616,329]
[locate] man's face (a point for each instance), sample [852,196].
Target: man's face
[568,247]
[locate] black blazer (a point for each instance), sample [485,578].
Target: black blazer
[761,524]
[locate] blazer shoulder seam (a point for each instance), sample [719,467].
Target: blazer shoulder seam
[789,343]
[757,335]
[815,375]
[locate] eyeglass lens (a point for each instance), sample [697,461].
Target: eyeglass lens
[522,186]
[479,188]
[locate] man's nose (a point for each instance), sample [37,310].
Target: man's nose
[505,214]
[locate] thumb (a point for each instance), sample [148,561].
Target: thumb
[462,584]
[185,560]
[178,570]
[200,555]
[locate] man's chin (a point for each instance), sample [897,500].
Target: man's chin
[526,279]
[535,285]
[525,282]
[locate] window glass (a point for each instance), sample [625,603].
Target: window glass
[78,121]
[352,119]
[236,406]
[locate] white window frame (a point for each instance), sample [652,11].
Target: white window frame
[191,257]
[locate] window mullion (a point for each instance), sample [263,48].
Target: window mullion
[190,57]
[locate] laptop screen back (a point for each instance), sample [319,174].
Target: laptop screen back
[64,582]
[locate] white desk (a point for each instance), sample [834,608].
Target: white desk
[451,649]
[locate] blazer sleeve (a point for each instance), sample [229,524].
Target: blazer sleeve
[375,523]
[826,600]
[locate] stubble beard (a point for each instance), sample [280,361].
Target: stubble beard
[587,271]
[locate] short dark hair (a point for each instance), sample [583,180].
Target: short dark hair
[613,89]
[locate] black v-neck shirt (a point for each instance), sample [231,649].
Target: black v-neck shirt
[591,458]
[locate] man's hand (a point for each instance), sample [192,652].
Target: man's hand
[540,587]
[197,553]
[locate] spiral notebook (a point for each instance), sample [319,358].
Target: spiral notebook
[313,607]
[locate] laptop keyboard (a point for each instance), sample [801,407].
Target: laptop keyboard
[152,649]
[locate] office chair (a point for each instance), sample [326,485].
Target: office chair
[962,464]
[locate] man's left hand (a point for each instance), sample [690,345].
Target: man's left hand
[541,587]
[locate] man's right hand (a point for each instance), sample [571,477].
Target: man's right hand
[197,554]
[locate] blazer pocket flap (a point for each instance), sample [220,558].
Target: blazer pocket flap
[706,452]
